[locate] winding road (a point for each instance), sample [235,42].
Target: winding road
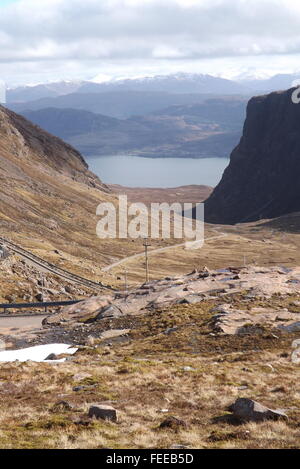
[155,251]
[52,268]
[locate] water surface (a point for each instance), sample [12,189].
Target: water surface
[133,171]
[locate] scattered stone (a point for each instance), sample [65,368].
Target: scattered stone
[52,356]
[39,297]
[62,406]
[81,376]
[248,410]
[90,341]
[83,420]
[173,423]
[178,447]
[188,368]
[103,412]
[84,387]
[113,333]
[279,389]
[170,330]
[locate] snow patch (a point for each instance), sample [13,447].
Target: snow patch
[38,353]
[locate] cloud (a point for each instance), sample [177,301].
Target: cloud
[44,34]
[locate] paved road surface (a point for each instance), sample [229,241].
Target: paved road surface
[20,328]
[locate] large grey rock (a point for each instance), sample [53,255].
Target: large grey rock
[249,410]
[103,412]
[83,311]
[294,327]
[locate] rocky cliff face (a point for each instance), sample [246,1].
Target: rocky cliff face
[262,179]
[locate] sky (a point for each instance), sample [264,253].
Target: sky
[51,40]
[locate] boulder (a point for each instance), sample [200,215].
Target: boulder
[103,412]
[248,410]
[83,311]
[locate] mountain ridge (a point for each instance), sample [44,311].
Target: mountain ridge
[209,129]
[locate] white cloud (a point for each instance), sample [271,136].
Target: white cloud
[86,37]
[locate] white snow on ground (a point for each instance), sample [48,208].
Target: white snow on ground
[37,354]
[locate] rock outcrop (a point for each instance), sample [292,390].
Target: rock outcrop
[81,312]
[254,283]
[262,179]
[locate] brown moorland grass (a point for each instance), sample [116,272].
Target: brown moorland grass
[192,374]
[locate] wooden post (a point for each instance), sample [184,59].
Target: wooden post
[125,284]
[146,245]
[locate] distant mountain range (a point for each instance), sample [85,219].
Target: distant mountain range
[208,129]
[180,83]
[275,83]
[180,115]
[119,104]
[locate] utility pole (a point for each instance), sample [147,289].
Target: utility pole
[42,286]
[125,284]
[146,245]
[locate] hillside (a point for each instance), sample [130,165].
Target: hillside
[120,104]
[210,129]
[262,179]
[48,201]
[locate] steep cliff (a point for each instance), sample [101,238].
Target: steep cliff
[262,179]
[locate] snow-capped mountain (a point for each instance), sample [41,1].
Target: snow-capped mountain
[181,83]
[246,83]
[175,83]
[33,92]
